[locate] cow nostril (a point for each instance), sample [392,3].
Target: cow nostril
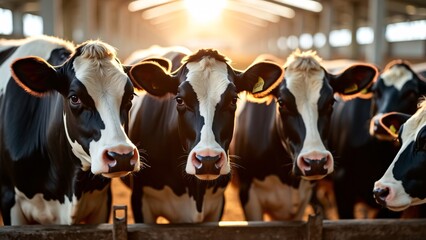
[207,164]
[380,194]
[197,161]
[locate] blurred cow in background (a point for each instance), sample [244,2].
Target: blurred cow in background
[361,145]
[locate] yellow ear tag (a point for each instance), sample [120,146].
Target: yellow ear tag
[392,128]
[259,85]
[351,88]
[364,91]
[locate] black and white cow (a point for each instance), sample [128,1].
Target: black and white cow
[175,54]
[281,145]
[62,132]
[358,139]
[186,134]
[404,182]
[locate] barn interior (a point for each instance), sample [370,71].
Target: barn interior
[373,31]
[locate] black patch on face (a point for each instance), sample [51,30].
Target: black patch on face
[325,109]
[126,103]
[293,127]
[410,168]
[190,121]
[84,122]
[223,121]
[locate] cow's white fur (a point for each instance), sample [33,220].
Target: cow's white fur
[37,209]
[397,76]
[398,199]
[283,202]
[180,209]
[40,46]
[209,79]
[304,78]
[104,80]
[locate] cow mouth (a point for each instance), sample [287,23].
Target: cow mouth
[115,174]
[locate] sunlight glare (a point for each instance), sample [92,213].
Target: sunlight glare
[205,11]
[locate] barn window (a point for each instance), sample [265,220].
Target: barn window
[340,38]
[406,31]
[364,35]
[6,27]
[33,25]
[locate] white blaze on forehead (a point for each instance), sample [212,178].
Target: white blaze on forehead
[38,46]
[209,79]
[397,76]
[304,79]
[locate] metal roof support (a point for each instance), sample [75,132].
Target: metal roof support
[51,12]
[377,10]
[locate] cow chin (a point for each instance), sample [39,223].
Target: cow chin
[207,177]
[314,177]
[115,174]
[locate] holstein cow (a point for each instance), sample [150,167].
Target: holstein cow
[186,134]
[280,146]
[358,140]
[174,53]
[62,131]
[404,182]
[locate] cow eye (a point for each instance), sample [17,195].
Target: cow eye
[234,101]
[179,101]
[74,100]
[280,102]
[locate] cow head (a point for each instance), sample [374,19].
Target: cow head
[398,89]
[97,96]
[404,182]
[206,89]
[305,102]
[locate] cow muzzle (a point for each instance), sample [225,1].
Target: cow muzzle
[121,164]
[380,195]
[207,166]
[315,166]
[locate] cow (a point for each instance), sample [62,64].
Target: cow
[280,143]
[403,183]
[185,134]
[359,142]
[175,54]
[63,111]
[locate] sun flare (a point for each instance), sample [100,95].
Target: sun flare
[205,11]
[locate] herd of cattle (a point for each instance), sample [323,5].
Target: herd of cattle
[166,122]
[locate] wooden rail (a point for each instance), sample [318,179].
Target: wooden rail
[314,229]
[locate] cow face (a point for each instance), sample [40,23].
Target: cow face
[397,90]
[305,103]
[97,96]
[206,89]
[404,182]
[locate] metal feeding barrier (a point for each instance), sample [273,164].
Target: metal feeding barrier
[315,228]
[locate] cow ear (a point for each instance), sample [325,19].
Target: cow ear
[35,75]
[164,62]
[392,122]
[259,79]
[354,80]
[153,78]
